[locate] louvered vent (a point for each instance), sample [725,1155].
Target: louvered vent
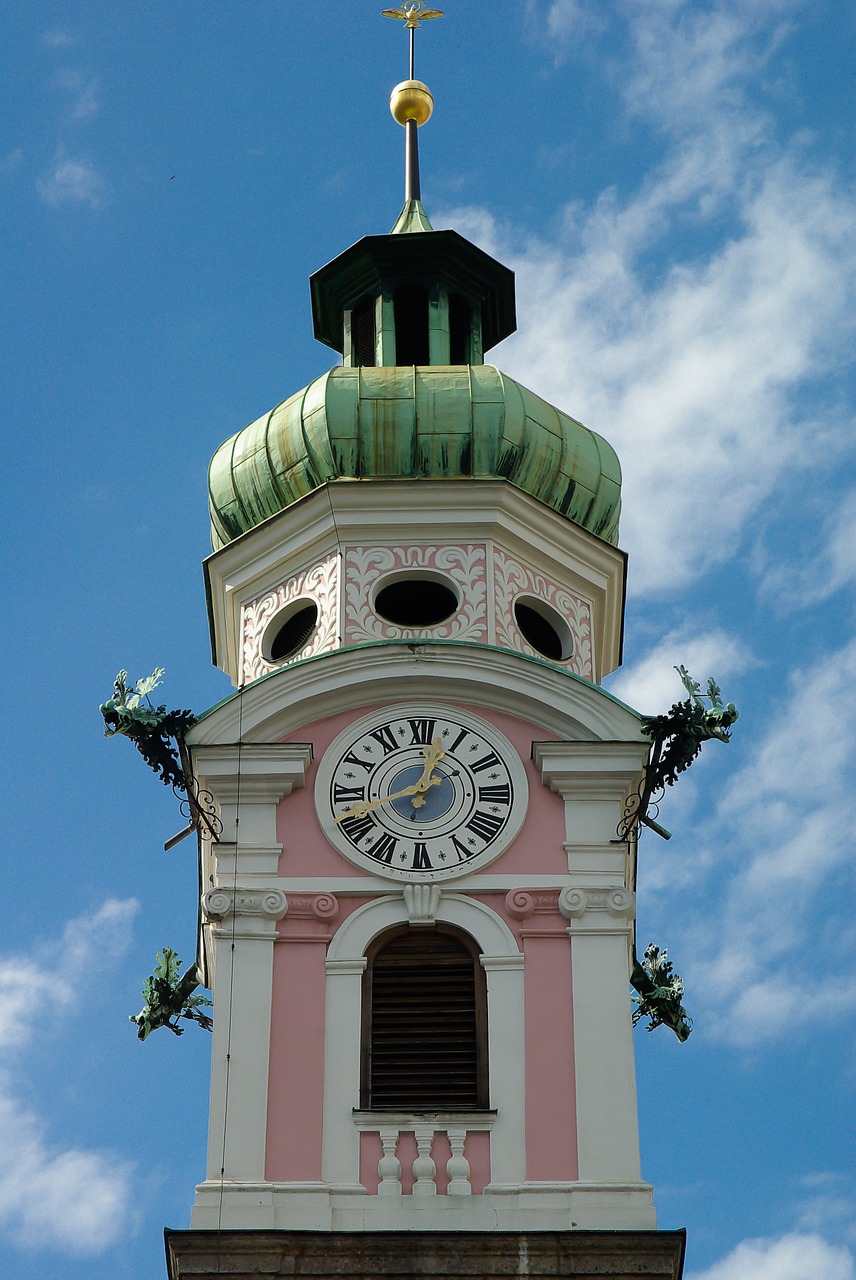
[425,1041]
[363,332]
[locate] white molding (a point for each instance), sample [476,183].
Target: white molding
[351,679]
[359,886]
[372,513]
[590,770]
[527,1206]
[422,902]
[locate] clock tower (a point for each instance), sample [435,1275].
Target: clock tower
[418,916]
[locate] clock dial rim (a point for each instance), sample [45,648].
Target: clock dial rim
[433,832]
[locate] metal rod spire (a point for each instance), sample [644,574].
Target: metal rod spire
[411,102]
[412,183]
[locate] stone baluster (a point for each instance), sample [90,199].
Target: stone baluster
[458,1166]
[389,1165]
[424,1168]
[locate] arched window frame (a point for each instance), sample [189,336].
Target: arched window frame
[346,962]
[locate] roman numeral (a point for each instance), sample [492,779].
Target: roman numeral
[421,861]
[356,828]
[485,825]
[464,854]
[385,737]
[382,849]
[347,795]
[465,733]
[486,762]
[350,758]
[422,731]
[500,794]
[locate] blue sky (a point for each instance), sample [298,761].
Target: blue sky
[673,183]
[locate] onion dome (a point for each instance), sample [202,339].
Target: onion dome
[419,422]
[412,314]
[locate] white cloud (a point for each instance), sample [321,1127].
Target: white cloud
[827,1204]
[83,90]
[563,21]
[53,1195]
[652,684]
[59,38]
[697,371]
[71,181]
[792,1257]
[811,581]
[777,852]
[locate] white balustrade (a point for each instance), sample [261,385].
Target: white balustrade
[389,1165]
[424,1169]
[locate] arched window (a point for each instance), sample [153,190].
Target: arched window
[424,1023]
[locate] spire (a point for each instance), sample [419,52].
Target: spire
[412,104]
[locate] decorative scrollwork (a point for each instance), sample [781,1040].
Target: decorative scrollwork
[197,805]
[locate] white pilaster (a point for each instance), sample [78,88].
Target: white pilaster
[594,779]
[240,911]
[340,1145]
[245,929]
[506,1055]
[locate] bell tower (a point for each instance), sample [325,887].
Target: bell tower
[418,916]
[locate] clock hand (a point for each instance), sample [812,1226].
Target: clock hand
[368,806]
[432,756]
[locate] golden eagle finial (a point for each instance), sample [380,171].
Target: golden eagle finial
[413,14]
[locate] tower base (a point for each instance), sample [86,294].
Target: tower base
[499,1255]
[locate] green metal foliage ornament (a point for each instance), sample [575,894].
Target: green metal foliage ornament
[169,997]
[676,740]
[151,729]
[158,735]
[678,735]
[660,992]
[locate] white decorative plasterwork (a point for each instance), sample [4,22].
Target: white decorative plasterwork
[465,566]
[618,902]
[522,903]
[270,904]
[319,584]
[422,902]
[314,906]
[513,579]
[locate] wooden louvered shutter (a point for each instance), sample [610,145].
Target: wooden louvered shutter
[425,1038]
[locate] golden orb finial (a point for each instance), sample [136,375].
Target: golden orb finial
[411,100]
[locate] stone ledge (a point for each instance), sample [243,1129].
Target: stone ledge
[488,1255]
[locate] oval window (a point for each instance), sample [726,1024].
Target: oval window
[289,631]
[416,601]
[544,629]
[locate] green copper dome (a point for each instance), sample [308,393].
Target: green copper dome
[417,422]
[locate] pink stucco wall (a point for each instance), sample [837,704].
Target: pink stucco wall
[295,1113]
[537,849]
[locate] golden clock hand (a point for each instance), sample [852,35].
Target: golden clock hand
[432,756]
[368,806]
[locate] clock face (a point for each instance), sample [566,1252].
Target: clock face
[421,793]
